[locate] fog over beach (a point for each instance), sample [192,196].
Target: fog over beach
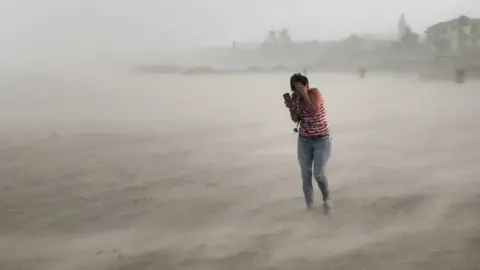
[104,178]
[104,167]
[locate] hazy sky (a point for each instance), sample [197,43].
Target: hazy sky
[150,25]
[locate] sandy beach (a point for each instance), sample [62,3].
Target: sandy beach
[133,172]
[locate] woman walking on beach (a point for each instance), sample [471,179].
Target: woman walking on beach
[314,143]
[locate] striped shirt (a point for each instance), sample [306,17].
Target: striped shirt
[313,125]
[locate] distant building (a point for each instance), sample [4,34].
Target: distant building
[454,35]
[361,43]
[245,45]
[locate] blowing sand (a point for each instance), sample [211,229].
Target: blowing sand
[155,172]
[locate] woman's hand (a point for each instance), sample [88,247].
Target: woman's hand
[301,89]
[290,104]
[292,107]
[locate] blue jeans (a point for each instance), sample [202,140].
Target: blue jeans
[314,154]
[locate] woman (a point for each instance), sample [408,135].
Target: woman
[314,143]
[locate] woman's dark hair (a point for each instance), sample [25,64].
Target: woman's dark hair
[298,78]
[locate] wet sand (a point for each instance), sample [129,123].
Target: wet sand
[125,171]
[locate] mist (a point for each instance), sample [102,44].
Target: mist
[154,135]
[57,33]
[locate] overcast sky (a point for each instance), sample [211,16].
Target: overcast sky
[151,25]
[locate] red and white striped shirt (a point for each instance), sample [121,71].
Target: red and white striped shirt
[313,125]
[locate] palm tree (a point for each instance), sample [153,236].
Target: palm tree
[284,37]
[272,37]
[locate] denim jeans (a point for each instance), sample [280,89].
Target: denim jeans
[314,154]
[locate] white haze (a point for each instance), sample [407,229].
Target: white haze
[60,33]
[107,169]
